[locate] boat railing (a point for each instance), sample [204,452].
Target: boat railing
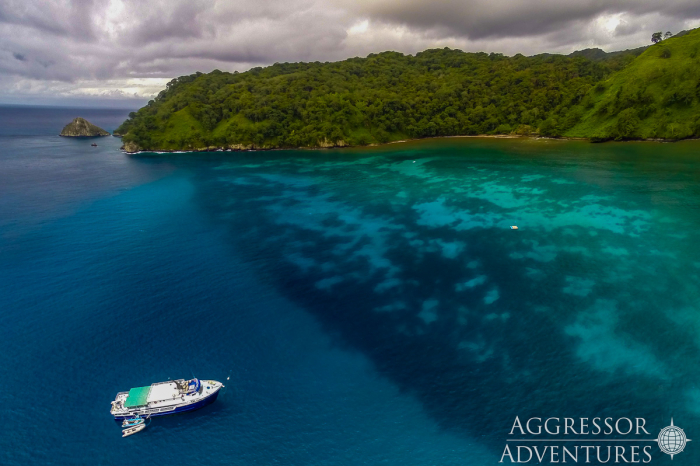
[160,410]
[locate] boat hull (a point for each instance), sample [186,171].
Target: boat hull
[133,430]
[177,410]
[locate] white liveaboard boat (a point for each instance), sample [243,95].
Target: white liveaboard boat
[163,398]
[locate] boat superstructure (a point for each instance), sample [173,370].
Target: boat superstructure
[163,398]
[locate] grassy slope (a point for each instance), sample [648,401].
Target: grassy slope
[656,96]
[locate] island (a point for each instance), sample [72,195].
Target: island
[652,92]
[81,128]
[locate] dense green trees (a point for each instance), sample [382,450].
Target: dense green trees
[390,96]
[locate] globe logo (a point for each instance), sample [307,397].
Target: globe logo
[672,440]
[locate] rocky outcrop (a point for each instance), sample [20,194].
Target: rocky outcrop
[240,147]
[81,128]
[130,147]
[326,144]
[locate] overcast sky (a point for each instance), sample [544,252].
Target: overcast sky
[121,52]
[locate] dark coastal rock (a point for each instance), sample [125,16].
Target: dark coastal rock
[130,147]
[80,127]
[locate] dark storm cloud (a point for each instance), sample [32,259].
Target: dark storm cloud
[477,19]
[161,21]
[71,18]
[78,44]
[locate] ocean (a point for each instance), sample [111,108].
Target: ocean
[363,306]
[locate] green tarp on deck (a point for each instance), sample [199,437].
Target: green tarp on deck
[137,397]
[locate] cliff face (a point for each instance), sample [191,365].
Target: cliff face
[130,147]
[80,127]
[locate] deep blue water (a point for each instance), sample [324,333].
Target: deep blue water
[370,306]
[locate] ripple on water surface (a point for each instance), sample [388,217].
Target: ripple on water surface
[372,306]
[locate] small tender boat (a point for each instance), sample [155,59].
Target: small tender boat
[133,422]
[133,430]
[513,227]
[93,144]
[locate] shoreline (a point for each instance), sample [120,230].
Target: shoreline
[402,141]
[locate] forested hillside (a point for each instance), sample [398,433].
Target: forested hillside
[391,96]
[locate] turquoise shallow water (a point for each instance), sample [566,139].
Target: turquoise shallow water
[370,306]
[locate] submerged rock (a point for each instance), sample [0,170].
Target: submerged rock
[80,127]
